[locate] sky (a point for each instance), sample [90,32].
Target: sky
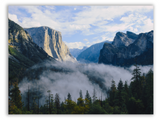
[85,25]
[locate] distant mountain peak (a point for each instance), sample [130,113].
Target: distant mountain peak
[139,47]
[124,39]
[91,54]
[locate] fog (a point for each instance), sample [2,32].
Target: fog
[69,77]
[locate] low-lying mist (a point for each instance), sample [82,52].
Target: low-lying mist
[68,77]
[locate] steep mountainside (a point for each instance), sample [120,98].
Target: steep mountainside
[122,39]
[75,51]
[51,42]
[91,54]
[23,52]
[140,51]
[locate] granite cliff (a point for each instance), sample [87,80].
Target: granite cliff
[51,42]
[123,54]
[124,39]
[23,52]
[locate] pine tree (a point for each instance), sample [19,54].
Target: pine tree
[88,96]
[80,94]
[94,95]
[49,102]
[57,103]
[80,99]
[148,97]
[16,96]
[69,96]
[136,84]
[119,93]
[136,73]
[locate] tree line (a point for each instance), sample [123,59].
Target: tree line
[135,98]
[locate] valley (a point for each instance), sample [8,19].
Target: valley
[45,76]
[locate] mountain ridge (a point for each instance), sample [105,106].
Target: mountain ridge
[128,55]
[22,51]
[91,54]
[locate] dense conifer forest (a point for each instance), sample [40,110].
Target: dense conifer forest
[135,98]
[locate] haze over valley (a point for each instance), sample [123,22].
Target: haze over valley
[42,62]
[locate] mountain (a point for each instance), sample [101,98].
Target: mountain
[124,39]
[75,51]
[51,42]
[91,54]
[140,51]
[23,52]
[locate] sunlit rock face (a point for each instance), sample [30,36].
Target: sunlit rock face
[51,42]
[19,40]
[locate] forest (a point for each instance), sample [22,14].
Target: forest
[135,98]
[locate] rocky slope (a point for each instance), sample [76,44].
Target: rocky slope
[23,52]
[51,42]
[140,51]
[91,54]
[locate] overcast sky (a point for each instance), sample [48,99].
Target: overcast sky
[85,25]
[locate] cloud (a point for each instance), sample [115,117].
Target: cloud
[78,45]
[101,21]
[13,17]
[147,25]
[76,77]
[85,40]
[68,22]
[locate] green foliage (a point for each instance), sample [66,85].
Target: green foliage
[135,106]
[124,99]
[97,109]
[57,103]
[16,69]
[69,96]
[136,73]
[112,94]
[24,61]
[69,106]
[16,96]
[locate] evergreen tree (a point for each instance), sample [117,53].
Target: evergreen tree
[49,103]
[80,94]
[57,103]
[88,96]
[136,73]
[69,96]
[16,96]
[80,99]
[119,93]
[136,84]
[148,93]
[112,94]
[94,95]
[69,104]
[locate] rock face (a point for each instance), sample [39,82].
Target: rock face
[140,51]
[91,54]
[122,39]
[51,42]
[23,52]
[20,40]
